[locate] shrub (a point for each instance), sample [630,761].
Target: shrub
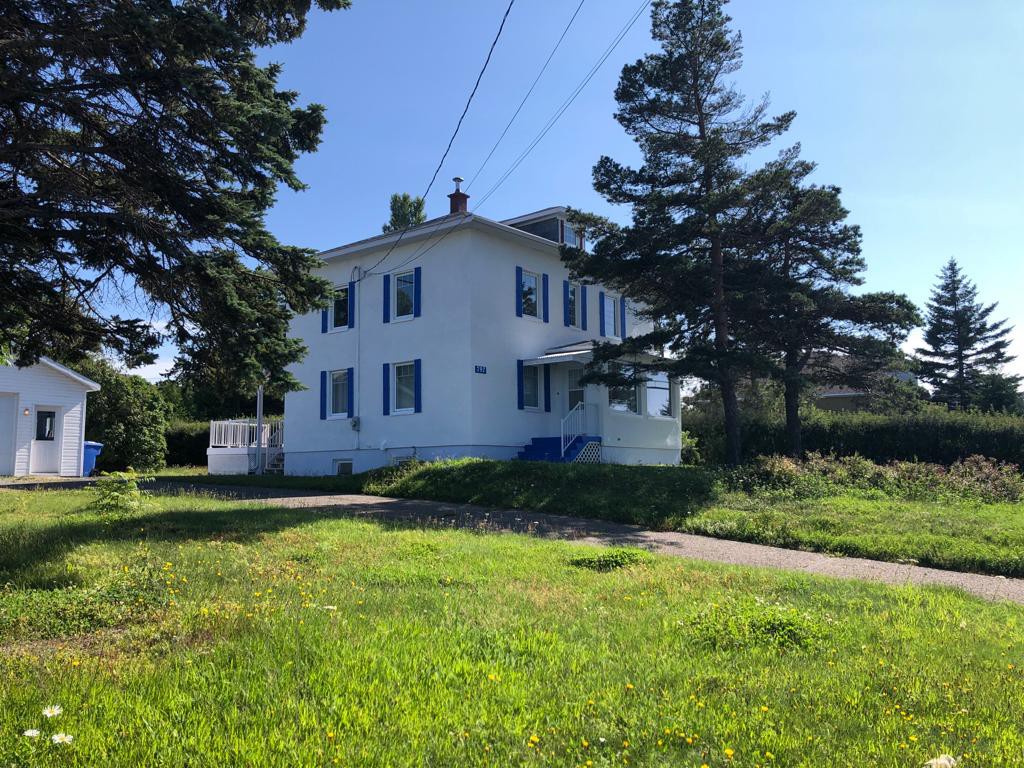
[934,435]
[612,559]
[187,442]
[118,494]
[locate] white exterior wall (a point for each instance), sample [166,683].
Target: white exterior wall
[468,319]
[40,386]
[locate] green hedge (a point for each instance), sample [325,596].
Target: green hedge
[187,442]
[937,436]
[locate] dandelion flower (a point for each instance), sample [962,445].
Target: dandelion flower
[62,738]
[32,733]
[53,710]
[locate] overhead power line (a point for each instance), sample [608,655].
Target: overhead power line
[528,93]
[455,133]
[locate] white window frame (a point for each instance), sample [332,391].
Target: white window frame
[536,294]
[339,463]
[575,318]
[566,229]
[394,388]
[672,402]
[333,328]
[638,393]
[331,412]
[394,295]
[536,373]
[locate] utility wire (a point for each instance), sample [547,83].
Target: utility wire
[451,141]
[528,93]
[428,246]
[566,104]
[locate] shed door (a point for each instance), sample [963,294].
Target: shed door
[49,437]
[8,421]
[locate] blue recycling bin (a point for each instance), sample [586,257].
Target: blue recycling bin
[92,450]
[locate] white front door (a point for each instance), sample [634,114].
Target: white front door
[8,423]
[47,440]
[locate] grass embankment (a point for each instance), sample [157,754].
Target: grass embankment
[951,532]
[212,632]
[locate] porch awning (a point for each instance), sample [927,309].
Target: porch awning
[582,353]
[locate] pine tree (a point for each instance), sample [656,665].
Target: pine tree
[961,343]
[810,327]
[682,253]
[406,211]
[141,145]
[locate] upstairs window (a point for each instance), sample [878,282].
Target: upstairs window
[405,294]
[571,239]
[529,290]
[612,326]
[573,310]
[341,308]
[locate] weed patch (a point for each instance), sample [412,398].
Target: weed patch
[612,559]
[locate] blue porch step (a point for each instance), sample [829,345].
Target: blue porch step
[550,449]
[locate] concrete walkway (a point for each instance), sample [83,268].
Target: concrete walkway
[600,532]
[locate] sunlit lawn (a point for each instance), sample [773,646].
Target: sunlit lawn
[213,633]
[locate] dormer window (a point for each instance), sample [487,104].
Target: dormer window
[569,236]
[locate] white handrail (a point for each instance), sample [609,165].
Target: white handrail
[573,425]
[242,433]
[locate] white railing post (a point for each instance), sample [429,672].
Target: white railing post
[573,425]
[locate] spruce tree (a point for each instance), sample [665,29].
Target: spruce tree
[682,255]
[961,343]
[406,211]
[809,325]
[141,145]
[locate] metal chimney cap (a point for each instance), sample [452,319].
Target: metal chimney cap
[458,183]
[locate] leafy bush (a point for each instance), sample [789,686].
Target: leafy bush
[187,442]
[934,435]
[973,479]
[612,559]
[127,415]
[118,494]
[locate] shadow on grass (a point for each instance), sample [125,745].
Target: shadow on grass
[24,550]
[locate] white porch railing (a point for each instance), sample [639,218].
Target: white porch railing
[574,424]
[242,433]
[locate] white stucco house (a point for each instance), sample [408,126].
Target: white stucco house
[462,337]
[42,419]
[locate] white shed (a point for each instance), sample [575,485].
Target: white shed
[42,419]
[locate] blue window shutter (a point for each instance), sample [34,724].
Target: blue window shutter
[600,312]
[544,292]
[417,273]
[519,383]
[350,406]
[387,298]
[519,291]
[323,395]
[565,303]
[323,321]
[387,388]
[547,388]
[352,304]
[417,367]
[622,317]
[583,307]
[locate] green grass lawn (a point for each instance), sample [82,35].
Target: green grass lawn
[955,535]
[211,632]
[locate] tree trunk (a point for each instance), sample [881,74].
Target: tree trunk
[794,429]
[726,376]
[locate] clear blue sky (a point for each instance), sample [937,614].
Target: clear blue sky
[913,107]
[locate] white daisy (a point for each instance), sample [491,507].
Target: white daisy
[62,738]
[32,733]
[53,710]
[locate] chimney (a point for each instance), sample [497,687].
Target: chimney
[458,198]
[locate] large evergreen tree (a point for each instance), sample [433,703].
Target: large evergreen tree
[810,327]
[406,211]
[140,148]
[961,342]
[682,255]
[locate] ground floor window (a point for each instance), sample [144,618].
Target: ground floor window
[531,386]
[624,398]
[405,387]
[659,400]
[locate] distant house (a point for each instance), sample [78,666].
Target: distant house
[466,338]
[42,419]
[844,398]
